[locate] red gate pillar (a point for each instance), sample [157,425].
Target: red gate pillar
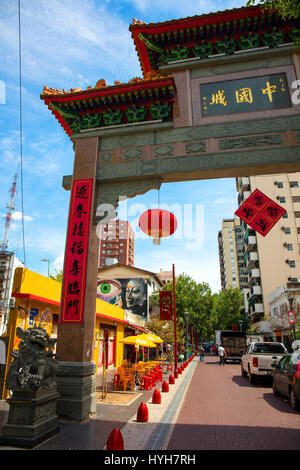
[76,381]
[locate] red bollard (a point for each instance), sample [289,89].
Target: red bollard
[180,370]
[176,374]
[165,386]
[115,440]
[142,413]
[171,379]
[156,397]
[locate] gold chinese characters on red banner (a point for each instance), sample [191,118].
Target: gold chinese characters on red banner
[260,212]
[73,295]
[166,305]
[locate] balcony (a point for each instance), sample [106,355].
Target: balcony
[250,243]
[256,309]
[251,260]
[243,196]
[254,277]
[255,290]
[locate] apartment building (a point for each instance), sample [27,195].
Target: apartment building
[116,244]
[231,255]
[274,260]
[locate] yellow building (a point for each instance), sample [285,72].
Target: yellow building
[37,302]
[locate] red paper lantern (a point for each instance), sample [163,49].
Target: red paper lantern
[158,223]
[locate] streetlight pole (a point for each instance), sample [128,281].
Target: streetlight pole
[48,260]
[175,326]
[186,314]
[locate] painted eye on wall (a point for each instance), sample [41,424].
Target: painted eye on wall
[108,289]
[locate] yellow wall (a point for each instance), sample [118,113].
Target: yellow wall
[26,281]
[29,282]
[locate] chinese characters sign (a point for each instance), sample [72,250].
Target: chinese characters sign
[260,212]
[166,305]
[73,295]
[245,95]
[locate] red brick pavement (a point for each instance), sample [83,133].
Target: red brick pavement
[221,410]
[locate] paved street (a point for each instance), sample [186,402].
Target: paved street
[221,410]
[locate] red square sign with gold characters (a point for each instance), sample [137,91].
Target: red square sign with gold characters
[260,212]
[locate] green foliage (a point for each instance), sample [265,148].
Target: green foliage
[227,309]
[208,312]
[58,276]
[286,8]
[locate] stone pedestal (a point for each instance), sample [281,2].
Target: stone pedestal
[76,384]
[32,418]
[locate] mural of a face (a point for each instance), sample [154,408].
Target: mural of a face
[110,291]
[136,297]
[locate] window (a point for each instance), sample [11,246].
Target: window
[285,215]
[296,198]
[297,214]
[281,199]
[272,348]
[293,184]
[279,184]
[287,230]
[289,247]
[292,263]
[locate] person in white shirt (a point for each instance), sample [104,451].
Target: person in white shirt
[221,352]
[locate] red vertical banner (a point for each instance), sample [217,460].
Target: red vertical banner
[73,295]
[166,305]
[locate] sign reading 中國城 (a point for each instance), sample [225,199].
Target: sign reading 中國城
[260,212]
[73,295]
[245,95]
[166,305]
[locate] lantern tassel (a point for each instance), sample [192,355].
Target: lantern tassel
[156,241]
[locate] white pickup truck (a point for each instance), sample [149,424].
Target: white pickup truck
[260,358]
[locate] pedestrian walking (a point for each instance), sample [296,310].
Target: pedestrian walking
[202,353]
[221,352]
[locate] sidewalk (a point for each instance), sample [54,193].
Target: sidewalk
[93,434]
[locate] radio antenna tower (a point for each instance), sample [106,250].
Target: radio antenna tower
[10,207]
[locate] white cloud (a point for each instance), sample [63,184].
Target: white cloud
[18,216]
[67,37]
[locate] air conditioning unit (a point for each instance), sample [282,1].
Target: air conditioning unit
[12,302]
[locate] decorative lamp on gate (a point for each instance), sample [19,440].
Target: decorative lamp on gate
[158,223]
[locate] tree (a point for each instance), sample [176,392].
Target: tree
[228,309]
[286,8]
[58,276]
[195,298]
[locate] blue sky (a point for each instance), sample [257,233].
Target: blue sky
[69,44]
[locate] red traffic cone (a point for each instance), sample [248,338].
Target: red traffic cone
[142,413]
[171,379]
[156,397]
[165,386]
[115,440]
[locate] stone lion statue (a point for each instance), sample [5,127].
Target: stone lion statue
[34,366]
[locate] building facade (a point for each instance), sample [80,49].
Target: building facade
[8,264]
[116,244]
[231,255]
[274,260]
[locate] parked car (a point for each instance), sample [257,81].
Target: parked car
[260,358]
[286,379]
